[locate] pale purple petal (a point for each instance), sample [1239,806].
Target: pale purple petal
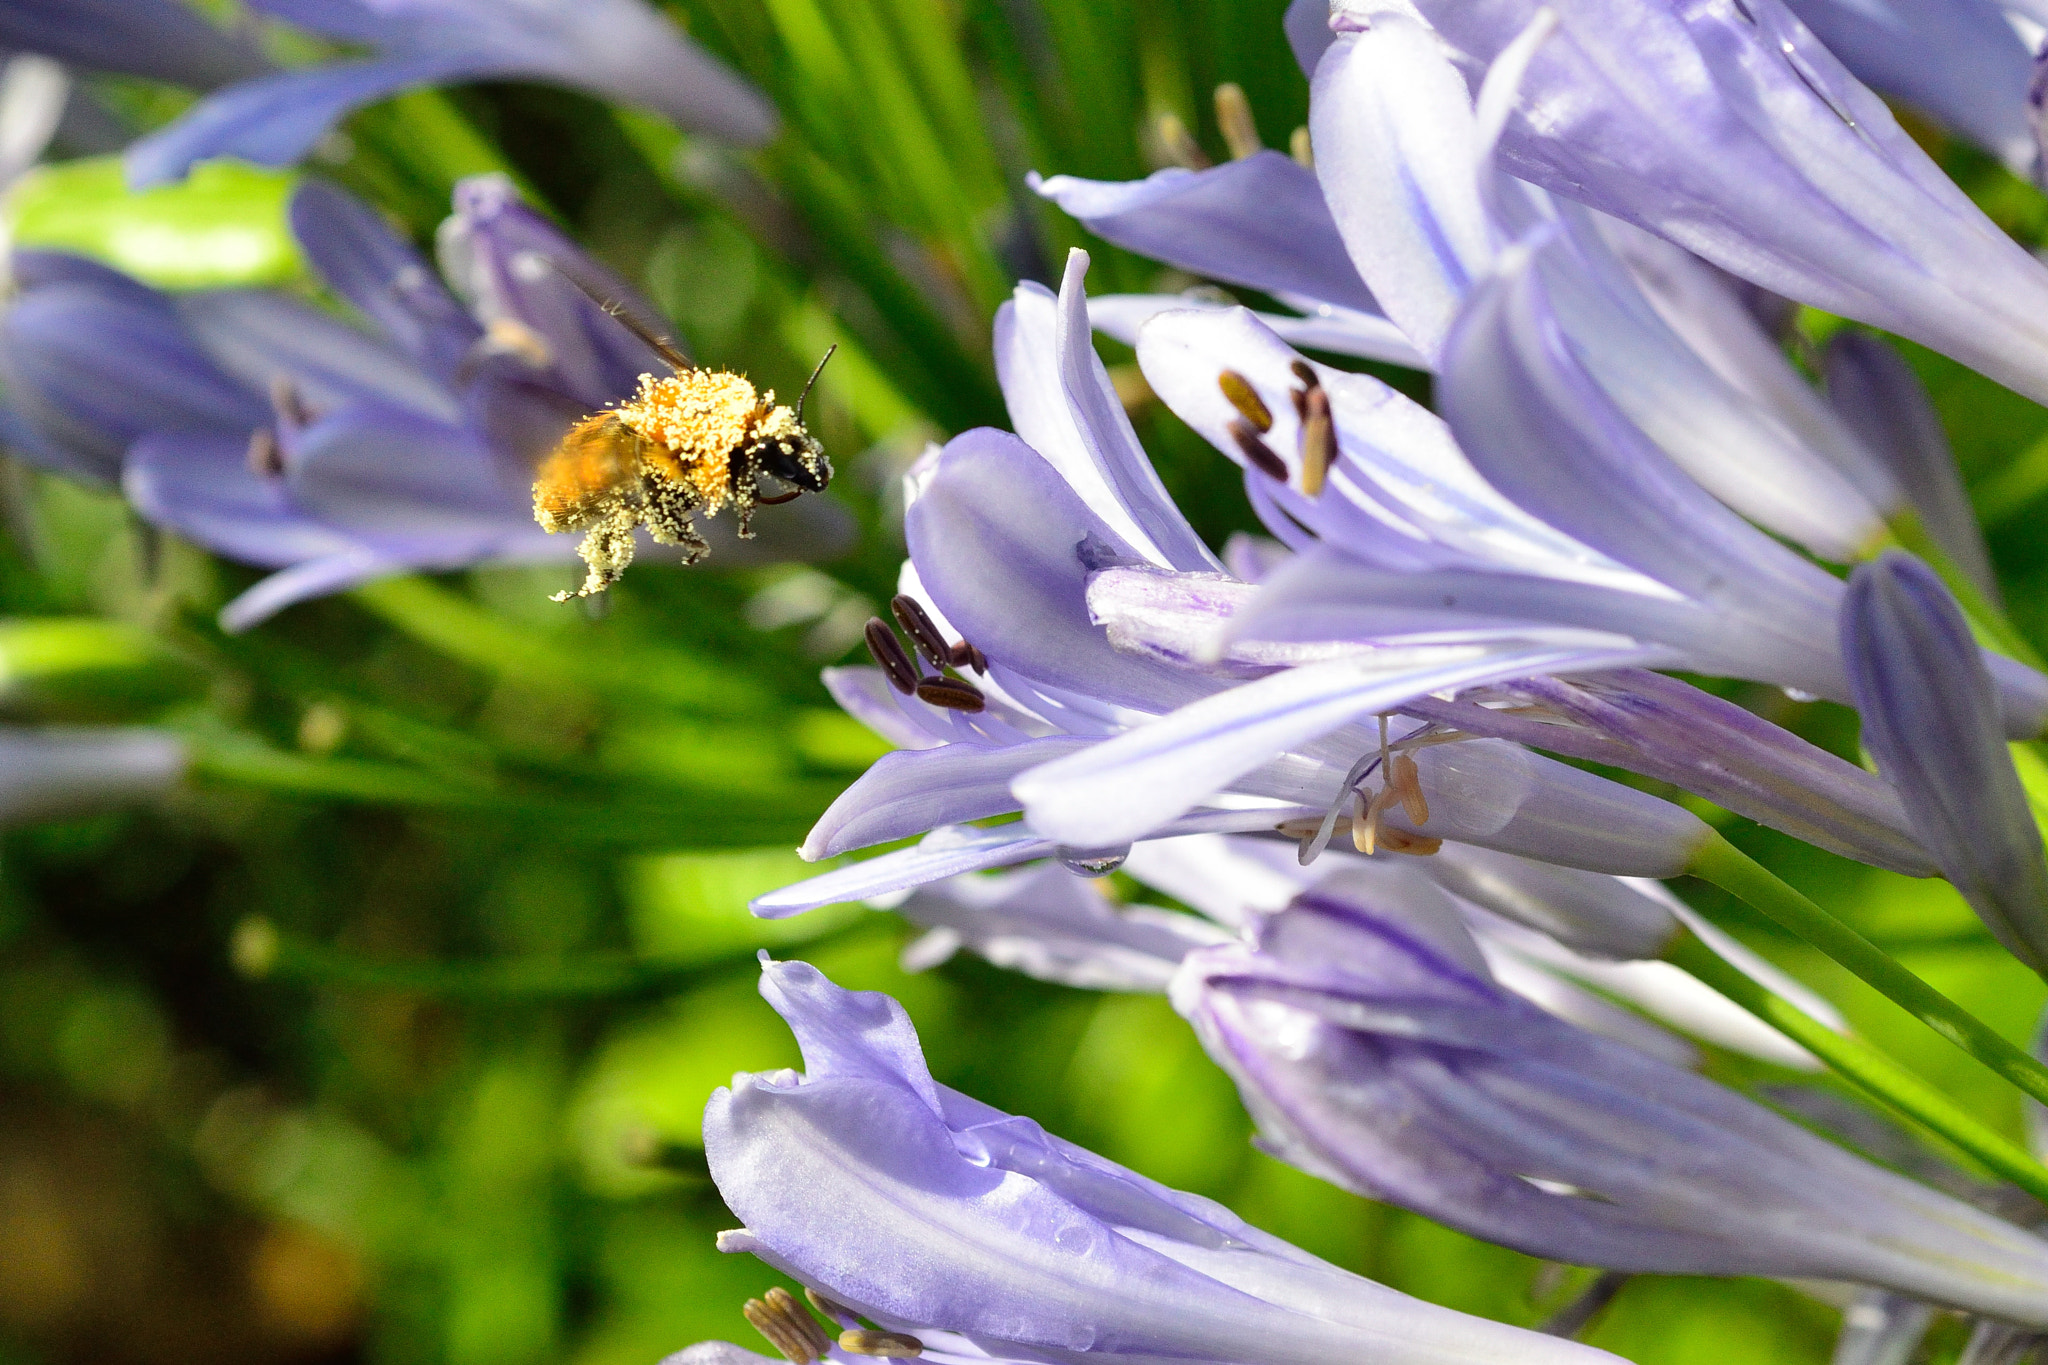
[1396,148]
[1340,331]
[165,40]
[946,852]
[1004,548]
[275,120]
[1259,222]
[202,488]
[265,338]
[866,694]
[1124,787]
[368,264]
[1959,60]
[303,582]
[1931,719]
[914,790]
[1884,403]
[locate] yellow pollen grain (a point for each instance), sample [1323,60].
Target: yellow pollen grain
[700,417]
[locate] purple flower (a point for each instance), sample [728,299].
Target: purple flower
[1411,205]
[1959,60]
[275,434]
[616,49]
[928,1213]
[1930,718]
[1375,1051]
[1727,128]
[166,40]
[1004,539]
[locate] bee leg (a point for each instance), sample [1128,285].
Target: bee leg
[607,548]
[740,488]
[668,514]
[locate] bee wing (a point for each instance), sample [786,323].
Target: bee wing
[655,342]
[597,457]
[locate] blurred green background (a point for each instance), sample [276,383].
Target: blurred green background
[387,1037]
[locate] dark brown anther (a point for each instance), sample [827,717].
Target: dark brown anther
[266,460]
[888,653]
[1258,452]
[285,401]
[1306,374]
[1246,400]
[1318,442]
[965,655]
[951,693]
[1300,397]
[918,625]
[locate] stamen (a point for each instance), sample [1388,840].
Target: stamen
[951,693]
[287,403]
[1306,373]
[789,1328]
[1246,400]
[1299,148]
[965,655]
[1179,144]
[1318,441]
[922,630]
[266,459]
[1366,834]
[1405,781]
[1257,451]
[888,653]
[1234,117]
[834,1312]
[862,1342]
[1401,841]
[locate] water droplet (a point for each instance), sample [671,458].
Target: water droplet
[1093,862]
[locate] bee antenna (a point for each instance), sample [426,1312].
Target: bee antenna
[829,352]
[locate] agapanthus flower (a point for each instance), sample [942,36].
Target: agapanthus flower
[981,1237]
[1374,1051]
[616,49]
[1553,935]
[281,435]
[1961,61]
[1729,129]
[1005,538]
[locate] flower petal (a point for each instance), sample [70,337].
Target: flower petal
[1259,222]
[914,790]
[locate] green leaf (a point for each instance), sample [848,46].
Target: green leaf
[223,226]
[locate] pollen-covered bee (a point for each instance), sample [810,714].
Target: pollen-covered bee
[693,441]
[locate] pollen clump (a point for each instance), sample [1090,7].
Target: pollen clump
[694,423]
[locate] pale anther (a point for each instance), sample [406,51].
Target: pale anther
[863,1342]
[1234,118]
[788,1326]
[1246,400]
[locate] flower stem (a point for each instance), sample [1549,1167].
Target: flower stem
[1727,867]
[1866,1067]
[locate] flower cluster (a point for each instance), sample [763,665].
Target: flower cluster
[1587,220]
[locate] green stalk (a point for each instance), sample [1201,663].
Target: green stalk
[1865,1067]
[1727,867]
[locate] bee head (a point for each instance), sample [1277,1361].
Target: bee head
[799,461]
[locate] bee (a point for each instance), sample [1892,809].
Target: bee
[690,442]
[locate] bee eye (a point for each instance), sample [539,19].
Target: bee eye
[791,468]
